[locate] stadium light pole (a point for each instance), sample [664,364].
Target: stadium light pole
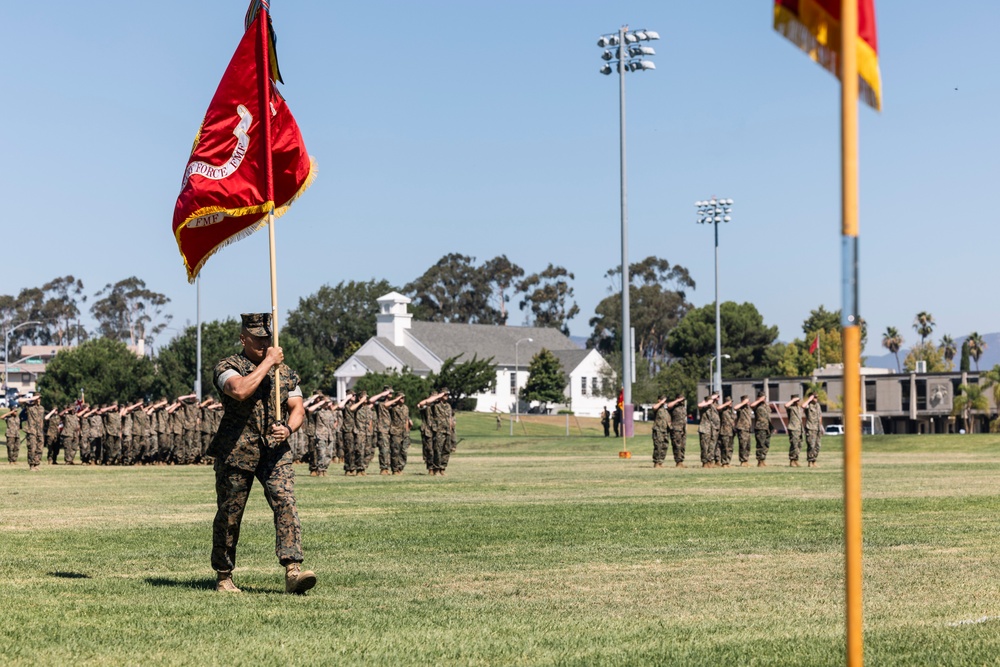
[6,360]
[714,211]
[517,398]
[625,55]
[710,377]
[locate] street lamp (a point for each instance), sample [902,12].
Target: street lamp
[6,359]
[712,212]
[718,387]
[626,55]
[517,397]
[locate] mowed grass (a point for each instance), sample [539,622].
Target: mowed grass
[534,550]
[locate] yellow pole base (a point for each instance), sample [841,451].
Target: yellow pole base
[624,455]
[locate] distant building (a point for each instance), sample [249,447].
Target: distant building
[422,347]
[25,372]
[902,403]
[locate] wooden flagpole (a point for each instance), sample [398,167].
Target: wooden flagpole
[264,79]
[850,319]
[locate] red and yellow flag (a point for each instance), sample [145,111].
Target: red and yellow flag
[814,26]
[223,195]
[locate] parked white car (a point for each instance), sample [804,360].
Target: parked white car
[834,429]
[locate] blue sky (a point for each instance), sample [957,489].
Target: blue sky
[486,129]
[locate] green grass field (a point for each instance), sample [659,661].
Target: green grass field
[535,550]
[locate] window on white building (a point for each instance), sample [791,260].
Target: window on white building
[593,386]
[583,385]
[513,383]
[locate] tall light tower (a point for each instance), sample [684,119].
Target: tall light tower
[626,55]
[712,212]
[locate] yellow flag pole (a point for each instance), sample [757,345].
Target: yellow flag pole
[851,322]
[274,312]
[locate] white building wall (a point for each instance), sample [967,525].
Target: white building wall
[588,403]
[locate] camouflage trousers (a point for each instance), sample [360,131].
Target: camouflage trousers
[112,450]
[322,451]
[165,445]
[353,456]
[744,437]
[440,450]
[707,441]
[724,448]
[13,446]
[338,445]
[812,445]
[660,444]
[398,445]
[678,441]
[763,436]
[382,438]
[70,447]
[55,446]
[794,445]
[34,445]
[427,446]
[367,448]
[232,488]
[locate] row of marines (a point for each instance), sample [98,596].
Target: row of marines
[163,432]
[720,422]
[350,432]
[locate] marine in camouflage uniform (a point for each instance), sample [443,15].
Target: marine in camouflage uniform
[678,428]
[814,429]
[112,436]
[325,429]
[744,427]
[91,454]
[70,436]
[348,425]
[52,421]
[13,420]
[794,411]
[363,434]
[441,431]
[761,427]
[338,436]
[708,432]
[382,423]
[727,424]
[127,454]
[399,433]
[426,434]
[661,431]
[140,433]
[33,428]
[251,443]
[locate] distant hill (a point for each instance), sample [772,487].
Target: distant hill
[990,358]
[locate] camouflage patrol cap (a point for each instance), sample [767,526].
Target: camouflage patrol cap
[257,324]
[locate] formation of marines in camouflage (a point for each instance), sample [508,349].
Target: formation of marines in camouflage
[160,433]
[722,422]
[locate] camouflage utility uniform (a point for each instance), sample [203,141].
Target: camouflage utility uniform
[243,450]
[52,437]
[112,437]
[33,428]
[399,436]
[814,431]
[324,438]
[762,430]
[70,437]
[794,432]
[661,437]
[678,430]
[727,425]
[707,433]
[382,421]
[13,435]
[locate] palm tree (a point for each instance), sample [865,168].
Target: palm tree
[892,341]
[976,347]
[971,399]
[991,378]
[923,324]
[948,348]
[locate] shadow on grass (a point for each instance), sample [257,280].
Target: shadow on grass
[69,575]
[200,585]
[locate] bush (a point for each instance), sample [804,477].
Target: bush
[467,404]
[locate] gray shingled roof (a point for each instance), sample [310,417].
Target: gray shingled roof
[371,363]
[486,340]
[409,359]
[570,359]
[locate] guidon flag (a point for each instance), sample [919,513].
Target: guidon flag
[224,191]
[814,26]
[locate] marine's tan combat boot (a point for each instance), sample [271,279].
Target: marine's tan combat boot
[383,472]
[298,580]
[224,583]
[761,464]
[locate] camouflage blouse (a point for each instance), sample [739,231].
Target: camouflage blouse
[242,441]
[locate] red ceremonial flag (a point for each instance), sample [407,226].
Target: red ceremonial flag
[814,345]
[814,26]
[621,398]
[223,195]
